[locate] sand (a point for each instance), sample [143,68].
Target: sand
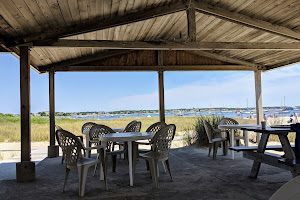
[11,149]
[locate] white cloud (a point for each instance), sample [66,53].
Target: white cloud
[232,90]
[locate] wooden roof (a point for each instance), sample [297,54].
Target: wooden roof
[246,34]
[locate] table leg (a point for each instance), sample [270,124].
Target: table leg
[261,149]
[288,151]
[130,162]
[232,142]
[104,143]
[286,147]
[246,136]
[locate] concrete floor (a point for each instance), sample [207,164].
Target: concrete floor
[196,176]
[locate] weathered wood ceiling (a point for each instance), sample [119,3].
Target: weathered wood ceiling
[38,23]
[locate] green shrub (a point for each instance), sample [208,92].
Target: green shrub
[201,137]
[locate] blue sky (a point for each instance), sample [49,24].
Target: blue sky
[108,91]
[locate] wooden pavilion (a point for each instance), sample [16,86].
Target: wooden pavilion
[148,35]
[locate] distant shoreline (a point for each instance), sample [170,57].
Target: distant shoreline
[245,114]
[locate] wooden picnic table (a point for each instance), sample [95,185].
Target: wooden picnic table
[260,156]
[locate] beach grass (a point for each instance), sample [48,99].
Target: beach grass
[10,125]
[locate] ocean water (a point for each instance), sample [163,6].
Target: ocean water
[241,114]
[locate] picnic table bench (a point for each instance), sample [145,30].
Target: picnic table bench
[259,155]
[254,148]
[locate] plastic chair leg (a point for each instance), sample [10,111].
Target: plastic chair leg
[62,159]
[225,148]
[147,164]
[135,150]
[153,169]
[209,149]
[164,166]
[114,163]
[103,168]
[169,170]
[66,178]
[215,150]
[96,165]
[82,174]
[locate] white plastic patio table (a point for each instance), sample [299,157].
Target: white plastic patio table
[128,137]
[87,135]
[233,127]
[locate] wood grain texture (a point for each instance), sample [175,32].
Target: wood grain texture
[95,24]
[149,58]
[161,97]
[25,104]
[241,22]
[86,68]
[164,45]
[52,108]
[258,96]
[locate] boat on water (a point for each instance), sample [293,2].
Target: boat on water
[287,109]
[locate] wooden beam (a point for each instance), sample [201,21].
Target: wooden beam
[245,20]
[191,21]
[15,52]
[225,58]
[3,50]
[84,59]
[51,108]
[284,64]
[163,45]
[100,24]
[161,89]
[25,103]
[157,68]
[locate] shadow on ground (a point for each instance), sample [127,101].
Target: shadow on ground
[196,176]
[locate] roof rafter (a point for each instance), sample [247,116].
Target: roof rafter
[157,68]
[225,58]
[284,64]
[16,52]
[3,50]
[96,24]
[245,20]
[84,59]
[163,45]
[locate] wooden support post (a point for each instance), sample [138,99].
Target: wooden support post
[161,87]
[161,96]
[25,103]
[51,108]
[53,151]
[258,97]
[191,21]
[25,170]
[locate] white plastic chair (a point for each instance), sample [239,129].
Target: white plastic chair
[160,147]
[72,148]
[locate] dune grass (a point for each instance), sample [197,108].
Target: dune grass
[10,125]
